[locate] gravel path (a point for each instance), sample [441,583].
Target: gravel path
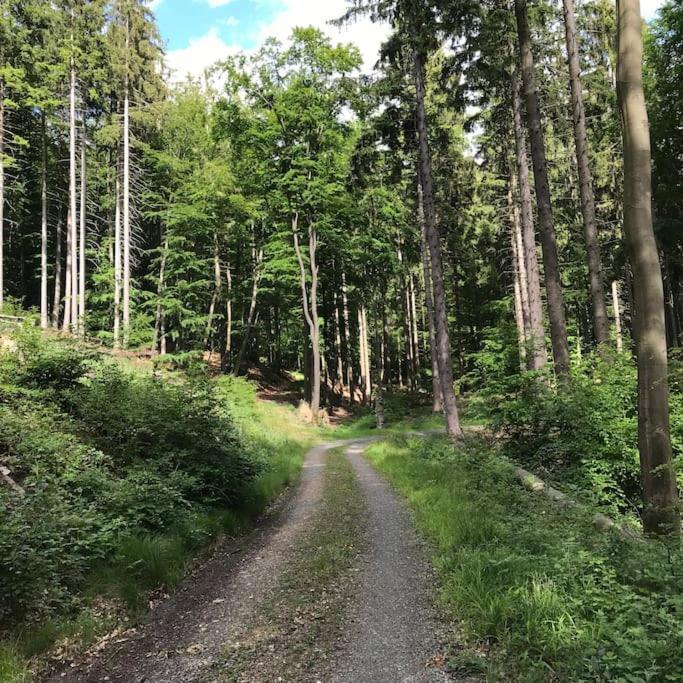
[393,635]
[182,637]
[391,631]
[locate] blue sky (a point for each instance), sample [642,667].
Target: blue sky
[199,32]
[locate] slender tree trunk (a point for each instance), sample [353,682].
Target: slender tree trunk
[257,259]
[537,357]
[66,321]
[518,244]
[553,284]
[518,282]
[159,324]
[437,403]
[216,292]
[228,318]
[81,253]
[347,340]
[366,380]
[617,316]
[117,262]
[339,365]
[126,216]
[2,191]
[57,294]
[311,314]
[73,291]
[44,313]
[661,514]
[440,313]
[416,334]
[590,231]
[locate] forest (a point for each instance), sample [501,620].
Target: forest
[481,236]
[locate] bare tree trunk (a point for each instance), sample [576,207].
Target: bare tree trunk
[228,318]
[339,365]
[432,234]
[661,514]
[518,244]
[117,262]
[519,285]
[617,315]
[43,225]
[159,322]
[538,356]
[2,191]
[600,319]
[416,334]
[73,226]
[81,253]
[437,403]
[126,216]
[216,292]
[347,340]
[57,294]
[257,259]
[365,379]
[366,347]
[553,284]
[66,321]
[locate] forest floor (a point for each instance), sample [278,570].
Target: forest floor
[333,585]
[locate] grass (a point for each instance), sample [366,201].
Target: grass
[538,593]
[300,622]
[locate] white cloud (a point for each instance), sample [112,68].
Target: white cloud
[648,8]
[230,21]
[200,54]
[218,3]
[153,4]
[363,33]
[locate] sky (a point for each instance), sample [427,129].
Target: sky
[199,32]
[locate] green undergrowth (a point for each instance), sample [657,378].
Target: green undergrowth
[539,594]
[126,474]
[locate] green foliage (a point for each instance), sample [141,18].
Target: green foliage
[534,586]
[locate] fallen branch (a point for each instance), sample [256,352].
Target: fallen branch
[5,476]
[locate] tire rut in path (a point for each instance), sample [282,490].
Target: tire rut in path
[181,638]
[394,631]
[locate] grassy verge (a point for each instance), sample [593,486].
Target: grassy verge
[300,622]
[540,595]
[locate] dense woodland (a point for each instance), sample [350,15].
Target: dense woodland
[485,219]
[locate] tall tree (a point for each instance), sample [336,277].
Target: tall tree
[553,281]
[661,514]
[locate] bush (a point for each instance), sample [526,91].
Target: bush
[583,433]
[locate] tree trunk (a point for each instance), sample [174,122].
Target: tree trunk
[228,318]
[160,318]
[73,226]
[2,192]
[57,294]
[126,216]
[661,514]
[66,321]
[257,258]
[81,253]
[339,366]
[518,249]
[117,262]
[518,283]
[590,231]
[43,225]
[537,357]
[311,314]
[617,315]
[437,403]
[553,284]
[348,361]
[432,234]
[216,292]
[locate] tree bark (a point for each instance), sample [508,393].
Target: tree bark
[228,318]
[43,225]
[66,321]
[437,402]
[348,361]
[661,514]
[82,240]
[553,284]
[257,259]
[617,316]
[310,313]
[2,192]
[518,284]
[590,231]
[126,216]
[217,286]
[73,226]
[159,324]
[117,262]
[440,313]
[537,357]
[57,294]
